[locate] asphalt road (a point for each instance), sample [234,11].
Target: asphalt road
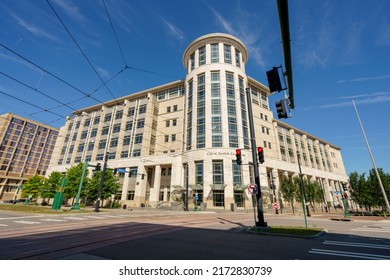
[171,235]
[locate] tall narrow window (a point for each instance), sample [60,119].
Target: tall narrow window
[202,56]
[192,61]
[189,115]
[214,53]
[243,113]
[232,115]
[238,60]
[227,51]
[216,120]
[201,113]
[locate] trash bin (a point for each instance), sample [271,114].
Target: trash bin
[124,206]
[203,206]
[233,207]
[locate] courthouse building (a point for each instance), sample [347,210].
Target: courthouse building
[187,132]
[26,147]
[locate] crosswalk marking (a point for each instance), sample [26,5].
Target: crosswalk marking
[349,254]
[74,218]
[372,229]
[94,217]
[53,220]
[1,225]
[26,222]
[361,245]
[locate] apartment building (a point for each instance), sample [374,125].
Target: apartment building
[25,150]
[186,133]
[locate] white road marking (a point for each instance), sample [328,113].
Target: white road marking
[22,217]
[362,245]
[53,220]
[1,225]
[74,218]
[26,222]
[93,217]
[349,254]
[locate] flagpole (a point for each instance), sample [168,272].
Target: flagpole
[372,159]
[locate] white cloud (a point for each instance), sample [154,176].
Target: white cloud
[369,100]
[364,79]
[71,9]
[33,29]
[173,30]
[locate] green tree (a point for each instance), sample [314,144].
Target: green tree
[313,193]
[50,185]
[73,176]
[289,189]
[32,187]
[375,189]
[111,185]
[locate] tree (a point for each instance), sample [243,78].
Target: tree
[313,193]
[73,176]
[50,185]
[289,189]
[32,187]
[111,185]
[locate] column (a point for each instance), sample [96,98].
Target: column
[125,185]
[140,186]
[155,191]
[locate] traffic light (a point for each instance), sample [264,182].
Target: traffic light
[238,157]
[281,109]
[98,167]
[274,80]
[260,153]
[115,171]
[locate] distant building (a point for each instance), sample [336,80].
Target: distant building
[26,147]
[189,130]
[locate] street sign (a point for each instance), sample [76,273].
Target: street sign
[122,170]
[252,188]
[196,197]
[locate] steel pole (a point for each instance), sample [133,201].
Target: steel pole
[260,211]
[76,205]
[372,159]
[101,183]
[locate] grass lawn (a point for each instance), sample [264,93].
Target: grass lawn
[287,230]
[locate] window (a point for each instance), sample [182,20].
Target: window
[214,53]
[142,109]
[174,122]
[105,130]
[87,122]
[141,123]
[111,156]
[238,61]
[174,108]
[80,148]
[166,138]
[107,117]
[202,56]
[173,137]
[236,173]
[114,142]
[99,157]
[131,111]
[192,61]
[84,134]
[117,128]
[126,140]
[94,132]
[77,125]
[124,154]
[218,172]
[90,146]
[137,153]
[130,195]
[119,115]
[138,138]
[102,144]
[199,172]
[129,125]
[219,198]
[167,123]
[168,109]
[96,120]
[227,50]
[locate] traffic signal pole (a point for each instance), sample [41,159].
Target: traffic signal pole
[76,205]
[260,213]
[101,183]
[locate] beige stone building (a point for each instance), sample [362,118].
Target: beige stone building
[26,147]
[188,131]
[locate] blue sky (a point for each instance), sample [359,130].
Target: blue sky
[340,51]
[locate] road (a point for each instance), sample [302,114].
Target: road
[150,234]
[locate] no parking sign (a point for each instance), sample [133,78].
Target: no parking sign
[252,188]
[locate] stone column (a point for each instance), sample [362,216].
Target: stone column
[125,185]
[140,187]
[155,191]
